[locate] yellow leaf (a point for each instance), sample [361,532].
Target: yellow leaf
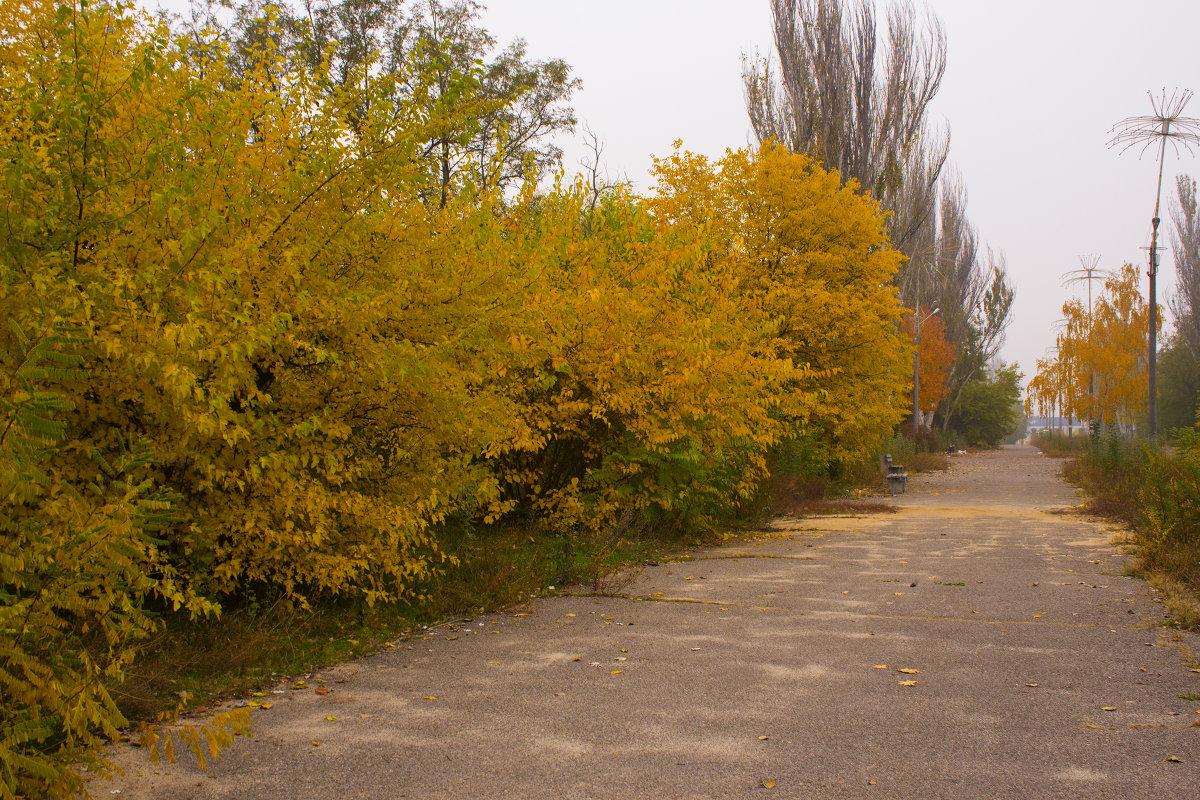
[616,672]
[768,783]
[330,719]
[881,666]
[910,671]
[908,683]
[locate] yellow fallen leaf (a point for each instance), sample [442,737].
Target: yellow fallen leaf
[1031,684]
[624,649]
[493,662]
[616,672]
[570,615]
[1108,708]
[870,783]
[451,638]
[430,697]
[910,671]
[768,783]
[265,706]
[1175,759]
[898,594]
[315,743]
[908,683]
[258,694]
[1035,616]
[763,738]
[330,719]
[881,666]
[388,644]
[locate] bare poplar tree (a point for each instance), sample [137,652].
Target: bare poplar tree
[1185,241]
[834,93]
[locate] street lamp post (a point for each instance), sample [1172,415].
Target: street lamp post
[1167,123]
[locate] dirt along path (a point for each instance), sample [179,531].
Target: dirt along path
[979,643]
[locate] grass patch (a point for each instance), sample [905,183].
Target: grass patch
[258,644]
[1059,445]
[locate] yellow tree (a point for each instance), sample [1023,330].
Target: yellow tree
[815,255]
[1099,372]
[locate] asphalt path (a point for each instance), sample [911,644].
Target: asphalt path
[982,642]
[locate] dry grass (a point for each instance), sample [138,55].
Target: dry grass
[927,462]
[1173,568]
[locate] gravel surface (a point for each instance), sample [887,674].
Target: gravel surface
[982,642]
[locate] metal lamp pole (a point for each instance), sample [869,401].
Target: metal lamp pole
[1167,123]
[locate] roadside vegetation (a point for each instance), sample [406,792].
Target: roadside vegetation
[305,345]
[1155,492]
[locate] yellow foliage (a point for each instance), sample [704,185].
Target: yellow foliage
[252,341]
[1099,372]
[815,257]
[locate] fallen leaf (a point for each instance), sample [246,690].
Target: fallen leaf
[330,719]
[1034,685]
[1108,708]
[451,638]
[881,666]
[620,658]
[763,738]
[430,697]
[316,743]
[388,644]
[1035,616]
[258,694]
[624,649]
[768,783]
[320,690]
[616,672]
[1175,759]
[910,671]
[265,706]
[870,783]
[908,683]
[694,649]
[497,662]
[570,615]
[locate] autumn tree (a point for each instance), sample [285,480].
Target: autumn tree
[816,254]
[1099,371]
[836,92]
[935,357]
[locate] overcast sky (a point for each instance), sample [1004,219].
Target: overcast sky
[1032,88]
[1031,91]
